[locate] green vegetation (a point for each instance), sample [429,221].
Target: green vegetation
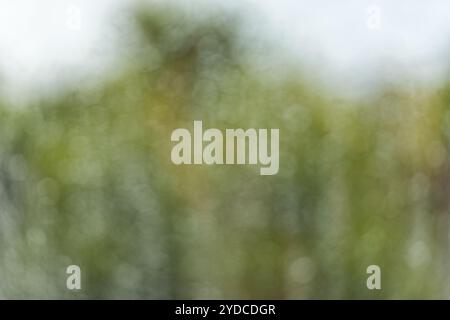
[86,179]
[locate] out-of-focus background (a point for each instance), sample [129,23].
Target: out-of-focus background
[91,91]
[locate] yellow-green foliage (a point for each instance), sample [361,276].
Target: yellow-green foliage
[86,179]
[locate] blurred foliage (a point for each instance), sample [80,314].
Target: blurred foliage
[86,179]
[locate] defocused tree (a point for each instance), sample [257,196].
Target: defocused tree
[86,179]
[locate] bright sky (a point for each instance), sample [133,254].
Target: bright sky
[44,42]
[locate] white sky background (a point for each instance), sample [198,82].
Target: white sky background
[43,43]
